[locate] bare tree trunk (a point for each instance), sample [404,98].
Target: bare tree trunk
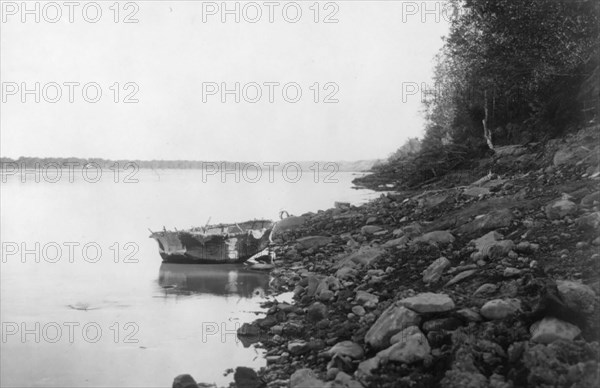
[486,132]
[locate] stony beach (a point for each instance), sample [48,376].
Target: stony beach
[484,279]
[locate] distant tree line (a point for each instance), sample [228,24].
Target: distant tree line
[509,72]
[36,162]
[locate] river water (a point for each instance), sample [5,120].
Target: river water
[85,300]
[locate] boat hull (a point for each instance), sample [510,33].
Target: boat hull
[225,244]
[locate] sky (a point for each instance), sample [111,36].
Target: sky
[174,60]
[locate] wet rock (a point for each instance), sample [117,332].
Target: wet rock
[346,349]
[366,299]
[460,277]
[393,320]
[577,296]
[438,237]
[492,245]
[428,302]
[316,312]
[313,242]
[246,378]
[305,378]
[434,272]
[559,209]
[500,308]
[184,381]
[551,329]
[248,330]
[410,346]
[494,220]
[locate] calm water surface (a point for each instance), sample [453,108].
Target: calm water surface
[112,314]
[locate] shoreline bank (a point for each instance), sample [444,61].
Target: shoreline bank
[490,284]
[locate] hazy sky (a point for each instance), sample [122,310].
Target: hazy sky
[171,54]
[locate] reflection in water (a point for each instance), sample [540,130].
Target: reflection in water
[215,279]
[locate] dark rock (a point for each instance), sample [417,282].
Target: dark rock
[184,381]
[246,378]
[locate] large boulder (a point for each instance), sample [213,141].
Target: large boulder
[287,224]
[394,319]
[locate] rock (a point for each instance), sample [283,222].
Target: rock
[410,346]
[438,237]
[366,368]
[326,295]
[184,381]
[344,380]
[440,324]
[365,256]
[366,299]
[500,308]
[559,209]
[305,378]
[551,329]
[569,155]
[370,229]
[346,349]
[394,319]
[460,277]
[396,242]
[313,241]
[486,289]
[434,272]
[589,221]
[371,220]
[511,272]
[246,378]
[316,312]
[469,315]
[358,310]
[298,347]
[492,245]
[287,224]
[428,302]
[577,296]
[589,199]
[248,330]
[494,220]
[342,205]
[476,191]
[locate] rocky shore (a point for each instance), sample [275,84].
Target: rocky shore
[493,283]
